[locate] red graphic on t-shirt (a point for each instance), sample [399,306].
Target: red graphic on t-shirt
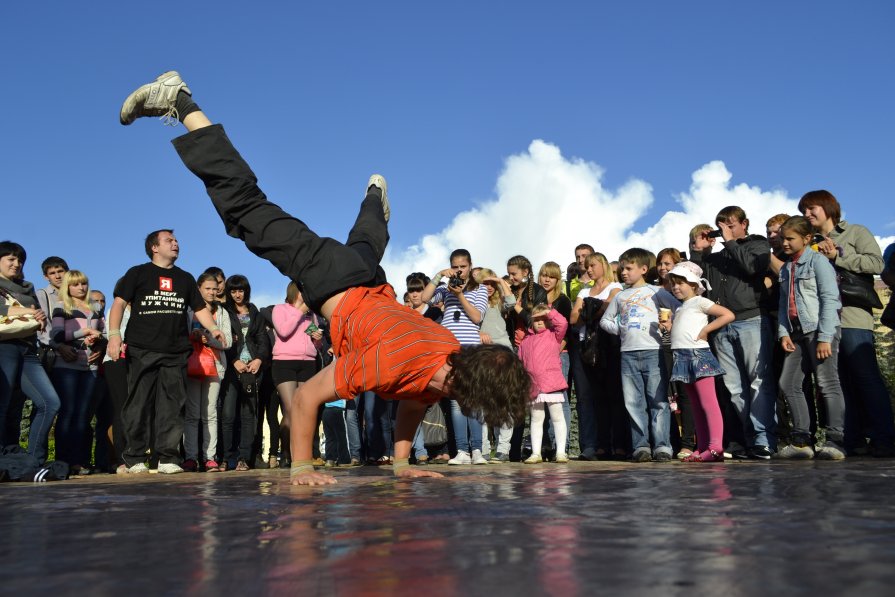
[166,284]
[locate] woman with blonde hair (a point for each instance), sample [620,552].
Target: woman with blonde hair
[77,324]
[550,278]
[602,422]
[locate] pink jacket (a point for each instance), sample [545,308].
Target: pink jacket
[292,343]
[539,352]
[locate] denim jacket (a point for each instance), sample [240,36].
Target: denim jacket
[817,296]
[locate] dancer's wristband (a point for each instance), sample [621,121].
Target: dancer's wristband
[301,466]
[399,464]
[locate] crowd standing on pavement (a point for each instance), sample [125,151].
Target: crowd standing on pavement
[762,349]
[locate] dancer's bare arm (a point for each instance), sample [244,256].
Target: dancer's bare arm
[316,391]
[410,415]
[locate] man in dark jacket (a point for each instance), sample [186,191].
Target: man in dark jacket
[744,347]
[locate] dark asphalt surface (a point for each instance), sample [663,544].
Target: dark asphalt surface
[734,528]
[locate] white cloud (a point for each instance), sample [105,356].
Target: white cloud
[547,204]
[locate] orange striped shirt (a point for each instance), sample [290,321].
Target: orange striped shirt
[385,347]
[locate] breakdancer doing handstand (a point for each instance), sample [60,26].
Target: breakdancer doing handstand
[379,344]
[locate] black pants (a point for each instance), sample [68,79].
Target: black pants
[336,431]
[322,267]
[238,446]
[156,393]
[116,381]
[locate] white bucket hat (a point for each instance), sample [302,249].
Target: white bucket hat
[692,273]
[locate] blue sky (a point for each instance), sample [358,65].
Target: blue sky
[506,127]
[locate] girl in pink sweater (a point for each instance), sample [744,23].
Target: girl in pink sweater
[539,352]
[294,354]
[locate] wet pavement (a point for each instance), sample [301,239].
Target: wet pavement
[734,528]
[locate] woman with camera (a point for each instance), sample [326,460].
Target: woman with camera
[856,256]
[465,302]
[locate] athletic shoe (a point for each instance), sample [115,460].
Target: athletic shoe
[500,458]
[760,453]
[461,458]
[169,468]
[477,457]
[190,465]
[211,466]
[562,458]
[588,455]
[831,451]
[794,452]
[735,450]
[684,453]
[272,462]
[533,459]
[641,455]
[242,466]
[662,457]
[137,469]
[155,99]
[378,181]
[330,464]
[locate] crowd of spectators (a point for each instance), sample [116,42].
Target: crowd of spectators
[760,347]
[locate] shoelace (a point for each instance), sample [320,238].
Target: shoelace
[171,117]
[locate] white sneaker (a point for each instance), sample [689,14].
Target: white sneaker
[477,457]
[137,469]
[461,458]
[533,459]
[378,181]
[169,468]
[562,458]
[155,99]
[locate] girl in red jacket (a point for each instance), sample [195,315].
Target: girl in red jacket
[539,352]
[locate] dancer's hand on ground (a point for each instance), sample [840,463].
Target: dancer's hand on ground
[414,473]
[312,479]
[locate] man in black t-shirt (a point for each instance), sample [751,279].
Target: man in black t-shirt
[158,346]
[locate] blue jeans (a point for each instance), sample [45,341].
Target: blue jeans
[75,389]
[20,368]
[353,429]
[745,350]
[586,405]
[467,430]
[377,427]
[645,385]
[866,396]
[419,445]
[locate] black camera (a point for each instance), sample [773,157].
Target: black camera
[817,239]
[456,281]
[713,234]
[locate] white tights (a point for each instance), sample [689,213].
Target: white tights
[537,426]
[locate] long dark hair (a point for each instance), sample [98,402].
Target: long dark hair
[523,263]
[237,282]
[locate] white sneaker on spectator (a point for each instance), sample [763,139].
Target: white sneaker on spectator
[169,468]
[477,457]
[137,469]
[461,458]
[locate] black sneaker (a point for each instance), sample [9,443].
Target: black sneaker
[662,457]
[761,453]
[641,455]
